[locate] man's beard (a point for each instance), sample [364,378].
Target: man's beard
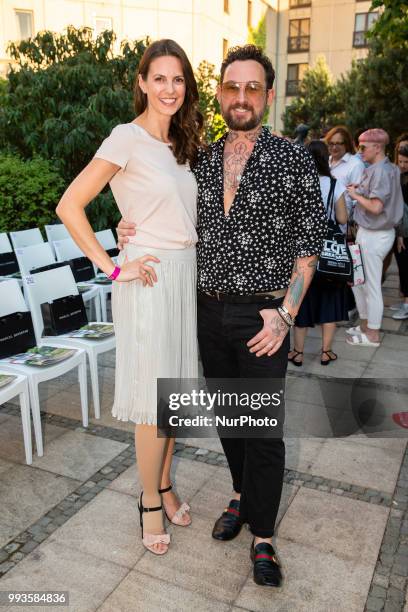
[239,124]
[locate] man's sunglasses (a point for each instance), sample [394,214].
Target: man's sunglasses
[252,89]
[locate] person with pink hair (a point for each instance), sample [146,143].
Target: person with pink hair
[378,211]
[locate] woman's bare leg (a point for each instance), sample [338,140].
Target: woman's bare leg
[149,456]
[299,343]
[328,332]
[170,499]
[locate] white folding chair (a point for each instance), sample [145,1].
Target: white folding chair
[34,256]
[12,300]
[56,232]
[19,387]
[5,244]
[25,238]
[68,249]
[5,247]
[48,286]
[38,255]
[106,238]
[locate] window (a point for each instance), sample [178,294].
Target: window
[299,35]
[226,6]
[362,23]
[296,73]
[249,14]
[24,24]
[102,24]
[224,47]
[299,3]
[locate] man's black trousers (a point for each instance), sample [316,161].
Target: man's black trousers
[256,464]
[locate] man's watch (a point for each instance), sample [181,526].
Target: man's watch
[286,316]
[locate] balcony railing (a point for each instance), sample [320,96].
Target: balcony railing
[359,39]
[299,3]
[298,43]
[292,87]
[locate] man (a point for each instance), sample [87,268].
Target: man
[378,210]
[261,225]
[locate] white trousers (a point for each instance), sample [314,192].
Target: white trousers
[374,245]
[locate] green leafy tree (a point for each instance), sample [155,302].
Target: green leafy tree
[375,92]
[391,28]
[29,192]
[207,81]
[257,36]
[317,103]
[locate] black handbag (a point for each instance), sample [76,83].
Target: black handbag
[16,334]
[82,269]
[8,263]
[63,315]
[334,263]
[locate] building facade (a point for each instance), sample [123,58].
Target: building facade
[204,28]
[297,31]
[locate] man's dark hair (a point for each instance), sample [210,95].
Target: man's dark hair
[250,52]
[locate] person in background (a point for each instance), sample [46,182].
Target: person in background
[379,209]
[401,245]
[344,165]
[325,302]
[358,155]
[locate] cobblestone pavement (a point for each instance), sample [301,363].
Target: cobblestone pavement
[69,522]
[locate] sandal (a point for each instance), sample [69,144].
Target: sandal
[178,516]
[292,359]
[361,340]
[330,358]
[149,540]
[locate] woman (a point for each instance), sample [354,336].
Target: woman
[147,163]
[325,302]
[401,243]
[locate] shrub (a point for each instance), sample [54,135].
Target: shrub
[29,192]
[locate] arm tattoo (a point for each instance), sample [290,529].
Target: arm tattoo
[301,277]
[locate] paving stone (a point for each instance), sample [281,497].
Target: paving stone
[379,592]
[28,547]
[398,582]
[3,555]
[350,529]
[12,547]
[5,567]
[395,594]
[392,606]
[374,604]
[400,570]
[88,580]
[381,581]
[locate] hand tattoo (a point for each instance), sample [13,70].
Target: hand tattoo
[278,326]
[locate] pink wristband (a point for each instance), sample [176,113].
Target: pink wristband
[115,273]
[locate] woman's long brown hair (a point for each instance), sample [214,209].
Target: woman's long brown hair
[187,124]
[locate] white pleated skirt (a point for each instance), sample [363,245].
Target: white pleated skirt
[156,331]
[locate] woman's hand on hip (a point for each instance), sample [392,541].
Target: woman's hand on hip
[138,269]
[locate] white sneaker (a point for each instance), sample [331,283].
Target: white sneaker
[402,313]
[396,306]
